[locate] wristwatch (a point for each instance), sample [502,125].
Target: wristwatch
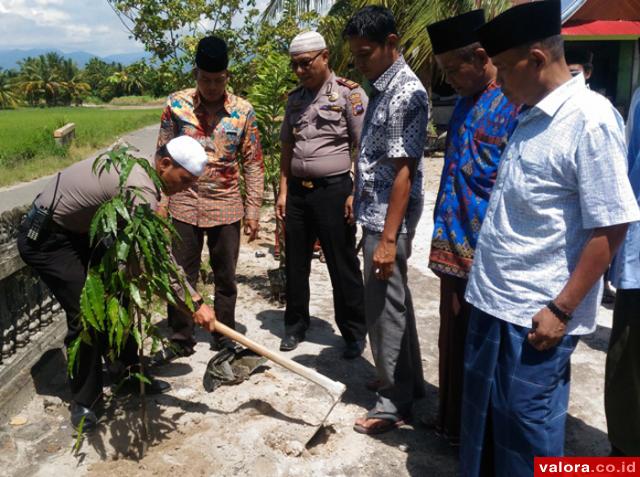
[197,304]
[561,315]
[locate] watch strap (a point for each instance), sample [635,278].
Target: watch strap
[558,312]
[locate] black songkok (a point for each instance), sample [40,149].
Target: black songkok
[455,32]
[211,55]
[520,25]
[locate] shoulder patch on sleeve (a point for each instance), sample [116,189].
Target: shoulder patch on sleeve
[357,108]
[347,82]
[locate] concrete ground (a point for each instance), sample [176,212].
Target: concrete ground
[258,427]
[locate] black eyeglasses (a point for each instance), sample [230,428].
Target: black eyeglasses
[303,64]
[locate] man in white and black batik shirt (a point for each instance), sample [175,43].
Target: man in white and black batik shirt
[388,203]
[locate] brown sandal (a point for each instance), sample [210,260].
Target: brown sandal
[386,422]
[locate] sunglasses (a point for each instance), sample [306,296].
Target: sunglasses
[303,64]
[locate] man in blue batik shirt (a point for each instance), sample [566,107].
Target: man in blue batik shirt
[482,121]
[622,377]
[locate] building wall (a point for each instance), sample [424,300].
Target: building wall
[625,75]
[608,10]
[616,68]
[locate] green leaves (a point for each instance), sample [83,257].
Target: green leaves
[79,434]
[134,245]
[135,295]
[92,302]
[268,97]
[72,355]
[412,18]
[142,377]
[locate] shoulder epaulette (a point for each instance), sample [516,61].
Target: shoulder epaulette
[347,82]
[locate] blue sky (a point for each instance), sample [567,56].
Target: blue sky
[68,25]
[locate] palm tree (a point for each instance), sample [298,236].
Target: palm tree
[412,17]
[76,89]
[8,96]
[39,80]
[95,74]
[130,80]
[73,87]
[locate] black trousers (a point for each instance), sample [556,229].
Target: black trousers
[454,320]
[622,375]
[223,242]
[319,212]
[61,260]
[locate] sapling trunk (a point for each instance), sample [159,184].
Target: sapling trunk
[143,401]
[113,302]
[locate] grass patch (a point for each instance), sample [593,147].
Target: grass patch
[136,101]
[29,151]
[93,100]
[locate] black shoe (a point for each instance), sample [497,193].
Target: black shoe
[170,354]
[290,342]
[78,412]
[131,385]
[218,343]
[353,349]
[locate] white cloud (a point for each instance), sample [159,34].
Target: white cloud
[64,24]
[37,10]
[44,3]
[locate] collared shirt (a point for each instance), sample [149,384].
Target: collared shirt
[562,174]
[215,199]
[625,270]
[79,193]
[478,133]
[395,126]
[324,127]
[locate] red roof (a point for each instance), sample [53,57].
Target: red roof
[609,28]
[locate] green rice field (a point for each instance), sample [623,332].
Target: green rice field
[27,148]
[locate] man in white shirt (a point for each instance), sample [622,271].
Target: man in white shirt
[549,234]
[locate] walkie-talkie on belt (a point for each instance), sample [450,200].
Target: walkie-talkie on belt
[40,217]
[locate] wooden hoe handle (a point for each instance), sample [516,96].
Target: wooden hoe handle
[335,388]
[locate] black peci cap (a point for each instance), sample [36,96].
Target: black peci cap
[211,55]
[520,25]
[455,32]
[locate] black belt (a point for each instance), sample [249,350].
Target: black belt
[319,181]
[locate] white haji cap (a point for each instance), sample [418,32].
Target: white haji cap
[189,153]
[307,41]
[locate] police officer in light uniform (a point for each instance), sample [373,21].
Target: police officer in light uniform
[59,251]
[321,129]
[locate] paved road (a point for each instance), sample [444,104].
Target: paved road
[20,194]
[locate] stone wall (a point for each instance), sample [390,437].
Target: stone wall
[26,304]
